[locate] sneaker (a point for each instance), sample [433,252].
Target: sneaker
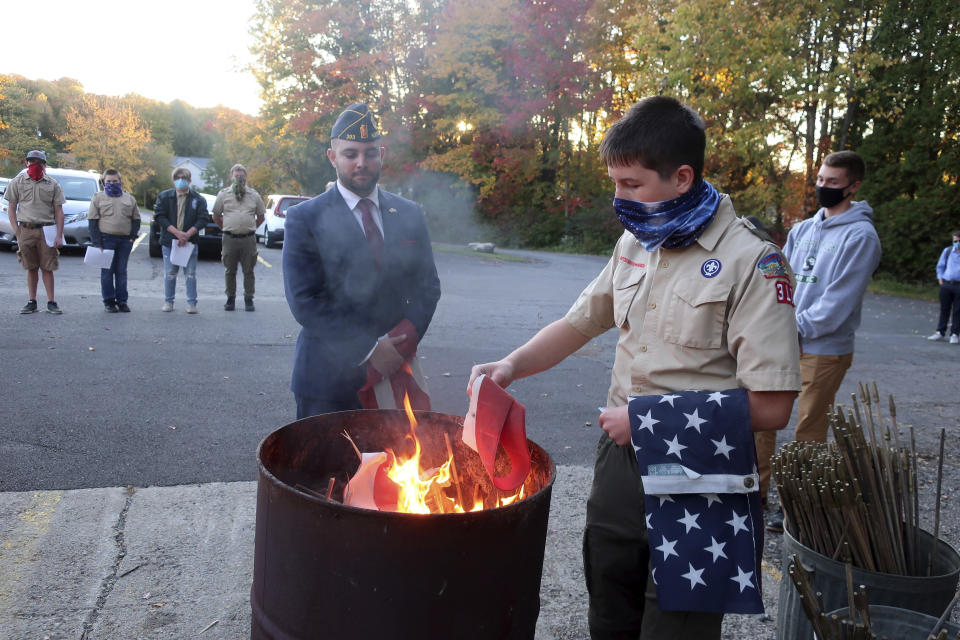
[192,308]
[54,308]
[775,523]
[30,307]
[123,308]
[954,338]
[248,304]
[229,305]
[167,306]
[936,336]
[110,307]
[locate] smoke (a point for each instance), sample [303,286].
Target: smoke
[449,205]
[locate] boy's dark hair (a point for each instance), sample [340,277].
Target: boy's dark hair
[111,172]
[658,132]
[955,234]
[849,160]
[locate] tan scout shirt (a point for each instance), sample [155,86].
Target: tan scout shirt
[239,216]
[702,317]
[116,215]
[35,200]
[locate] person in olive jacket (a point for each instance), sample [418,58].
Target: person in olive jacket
[180,213]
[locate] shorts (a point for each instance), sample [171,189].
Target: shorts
[33,251]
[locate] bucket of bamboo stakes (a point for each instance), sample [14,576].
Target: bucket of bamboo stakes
[924,594]
[900,624]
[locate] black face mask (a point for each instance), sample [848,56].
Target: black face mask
[830,196]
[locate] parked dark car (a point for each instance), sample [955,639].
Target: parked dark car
[209,240]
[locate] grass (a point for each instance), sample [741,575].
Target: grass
[888,287]
[466,251]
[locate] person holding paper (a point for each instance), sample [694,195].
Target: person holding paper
[359,276]
[181,213]
[36,201]
[114,221]
[239,210]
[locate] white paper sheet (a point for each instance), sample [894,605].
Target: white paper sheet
[180,256]
[50,234]
[100,258]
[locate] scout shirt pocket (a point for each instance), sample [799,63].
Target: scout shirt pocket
[626,286]
[696,314]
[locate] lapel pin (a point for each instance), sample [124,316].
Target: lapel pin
[392,210]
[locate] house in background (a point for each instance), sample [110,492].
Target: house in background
[196,167]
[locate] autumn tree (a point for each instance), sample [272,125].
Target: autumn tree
[104,133]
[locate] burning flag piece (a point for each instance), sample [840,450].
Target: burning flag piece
[388,481]
[493,419]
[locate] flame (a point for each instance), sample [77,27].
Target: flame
[424,491]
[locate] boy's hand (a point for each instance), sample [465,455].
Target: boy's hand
[500,372]
[616,422]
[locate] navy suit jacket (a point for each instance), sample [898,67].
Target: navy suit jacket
[341,300]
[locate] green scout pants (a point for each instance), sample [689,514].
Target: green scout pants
[242,251]
[616,559]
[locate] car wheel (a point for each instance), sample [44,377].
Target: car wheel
[155,246]
[268,240]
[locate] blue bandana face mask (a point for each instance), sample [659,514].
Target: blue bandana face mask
[181,183]
[113,189]
[672,224]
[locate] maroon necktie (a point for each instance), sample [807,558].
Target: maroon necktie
[372,231]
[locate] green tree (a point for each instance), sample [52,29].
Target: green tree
[105,133]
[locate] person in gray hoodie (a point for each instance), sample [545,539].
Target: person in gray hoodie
[833,255]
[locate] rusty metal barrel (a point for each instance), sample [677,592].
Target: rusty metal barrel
[323,569]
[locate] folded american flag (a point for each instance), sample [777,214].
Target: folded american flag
[696,455]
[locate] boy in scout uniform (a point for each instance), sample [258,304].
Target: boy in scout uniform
[239,210]
[700,302]
[114,221]
[36,201]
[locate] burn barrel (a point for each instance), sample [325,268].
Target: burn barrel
[323,569]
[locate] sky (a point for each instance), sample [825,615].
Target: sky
[193,51]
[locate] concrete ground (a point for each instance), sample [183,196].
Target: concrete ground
[177,562]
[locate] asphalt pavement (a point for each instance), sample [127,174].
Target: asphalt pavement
[127,466]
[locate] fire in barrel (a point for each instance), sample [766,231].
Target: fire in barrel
[443,553]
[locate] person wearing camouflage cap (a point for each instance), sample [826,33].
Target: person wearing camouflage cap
[358,273]
[36,201]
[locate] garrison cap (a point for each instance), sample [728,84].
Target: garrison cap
[356,124]
[39,155]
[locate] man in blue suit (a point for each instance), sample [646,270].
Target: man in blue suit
[358,272]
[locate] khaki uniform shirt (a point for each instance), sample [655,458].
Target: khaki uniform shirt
[713,316]
[239,216]
[116,215]
[35,200]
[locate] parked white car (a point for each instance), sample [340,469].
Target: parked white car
[271,231]
[78,189]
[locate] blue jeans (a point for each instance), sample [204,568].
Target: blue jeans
[113,281]
[949,302]
[170,276]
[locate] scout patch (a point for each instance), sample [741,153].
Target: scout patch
[807,279]
[772,266]
[710,268]
[784,292]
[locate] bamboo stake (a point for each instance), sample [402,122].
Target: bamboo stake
[936,526]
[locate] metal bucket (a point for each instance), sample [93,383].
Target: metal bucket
[925,594]
[900,624]
[323,569]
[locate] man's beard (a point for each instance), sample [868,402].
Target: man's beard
[361,189]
